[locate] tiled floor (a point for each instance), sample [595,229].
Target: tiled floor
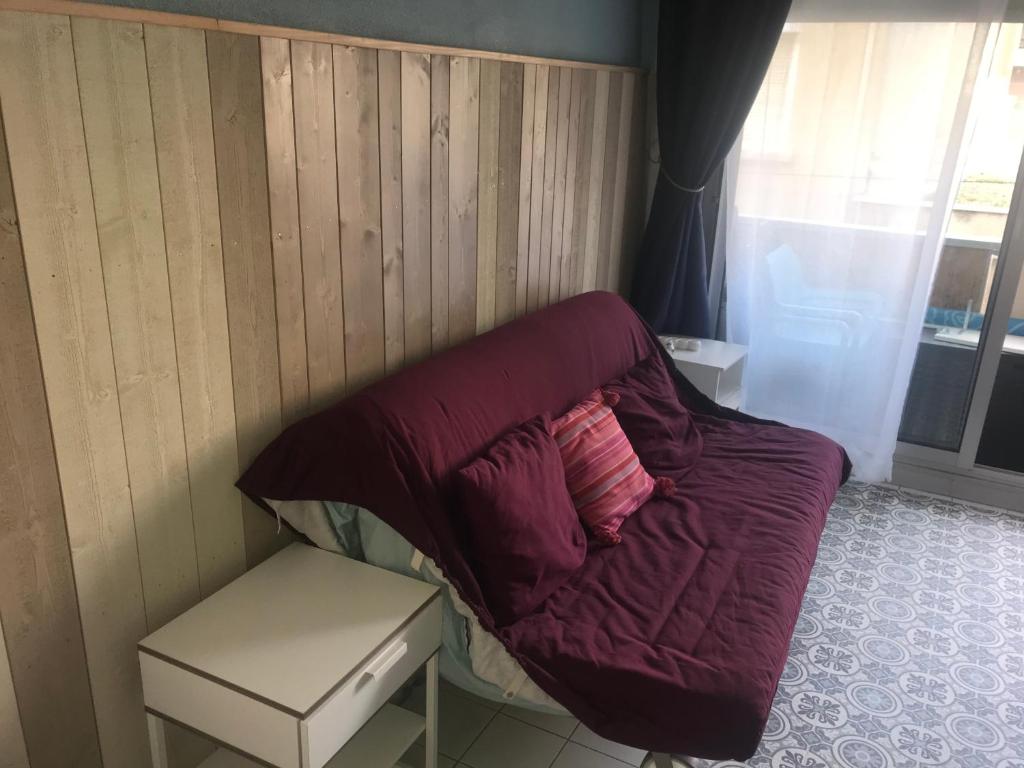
[475,733]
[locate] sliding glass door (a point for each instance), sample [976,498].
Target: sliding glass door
[870,238]
[964,286]
[964,410]
[1001,442]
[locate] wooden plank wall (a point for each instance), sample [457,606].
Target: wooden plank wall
[204,236]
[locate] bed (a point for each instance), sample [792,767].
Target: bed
[671,641]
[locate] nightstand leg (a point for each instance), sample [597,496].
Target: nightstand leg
[157,741]
[431,761]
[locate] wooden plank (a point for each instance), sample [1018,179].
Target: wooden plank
[548,195]
[185,133]
[183,130]
[46,140]
[525,188]
[540,122]
[13,751]
[487,205]
[94,10]
[416,202]
[462,198]
[636,199]
[320,238]
[625,120]
[565,280]
[114,87]
[439,118]
[609,184]
[561,163]
[510,135]
[236,99]
[596,181]
[37,587]
[389,69]
[582,196]
[356,116]
[116,106]
[282,182]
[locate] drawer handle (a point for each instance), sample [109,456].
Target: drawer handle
[381,667]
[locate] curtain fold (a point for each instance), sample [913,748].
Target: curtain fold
[712,57]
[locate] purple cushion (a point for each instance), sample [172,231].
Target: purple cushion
[658,426]
[525,538]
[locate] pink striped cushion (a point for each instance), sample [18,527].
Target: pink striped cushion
[604,475]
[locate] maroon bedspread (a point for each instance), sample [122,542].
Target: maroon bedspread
[674,640]
[671,641]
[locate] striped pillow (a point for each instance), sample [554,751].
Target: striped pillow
[604,475]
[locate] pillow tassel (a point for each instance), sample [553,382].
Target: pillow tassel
[610,397]
[604,536]
[664,486]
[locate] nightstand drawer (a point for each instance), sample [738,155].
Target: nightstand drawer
[333,721]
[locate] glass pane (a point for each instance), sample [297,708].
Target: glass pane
[1002,437]
[943,378]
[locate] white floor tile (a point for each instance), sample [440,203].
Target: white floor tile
[588,738]
[576,756]
[459,722]
[509,743]
[416,758]
[560,725]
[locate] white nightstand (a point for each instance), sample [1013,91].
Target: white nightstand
[716,369]
[293,663]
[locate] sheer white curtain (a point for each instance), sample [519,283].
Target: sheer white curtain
[836,199]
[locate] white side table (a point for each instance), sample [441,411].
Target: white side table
[716,369]
[292,665]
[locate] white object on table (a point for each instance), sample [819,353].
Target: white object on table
[293,663]
[716,368]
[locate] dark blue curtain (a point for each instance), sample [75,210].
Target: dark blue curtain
[712,57]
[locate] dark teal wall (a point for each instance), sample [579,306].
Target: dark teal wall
[648,33]
[607,31]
